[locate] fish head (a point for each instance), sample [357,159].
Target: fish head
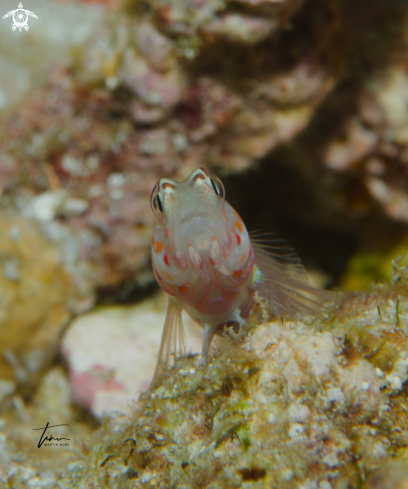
[200,226]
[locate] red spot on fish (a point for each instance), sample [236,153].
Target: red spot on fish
[181,288]
[166,260]
[238,238]
[212,261]
[237,273]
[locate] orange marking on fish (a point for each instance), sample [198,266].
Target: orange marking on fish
[239,225]
[237,273]
[243,258]
[158,247]
[213,238]
[181,288]
[167,275]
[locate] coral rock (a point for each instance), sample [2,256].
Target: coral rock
[299,404]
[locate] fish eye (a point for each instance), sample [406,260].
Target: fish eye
[217,185]
[156,203]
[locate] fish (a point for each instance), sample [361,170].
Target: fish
[208,264]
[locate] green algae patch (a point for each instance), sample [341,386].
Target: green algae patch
[366,268]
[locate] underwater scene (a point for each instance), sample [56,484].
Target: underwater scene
[204,244]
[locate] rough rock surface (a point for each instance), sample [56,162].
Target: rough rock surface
[317,403]
[355,151]
[374,140]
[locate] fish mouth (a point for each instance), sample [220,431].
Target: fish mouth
[199,234]
[194,216]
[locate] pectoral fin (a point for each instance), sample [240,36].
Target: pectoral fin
[282,280]
[173,340]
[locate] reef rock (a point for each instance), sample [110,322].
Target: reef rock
[308,403]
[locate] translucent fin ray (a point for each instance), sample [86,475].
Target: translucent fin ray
[173,340]
[290,297]
[282,279]
[276,255]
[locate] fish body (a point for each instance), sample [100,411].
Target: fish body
[207,263]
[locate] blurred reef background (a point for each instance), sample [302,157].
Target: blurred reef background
[301,107]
